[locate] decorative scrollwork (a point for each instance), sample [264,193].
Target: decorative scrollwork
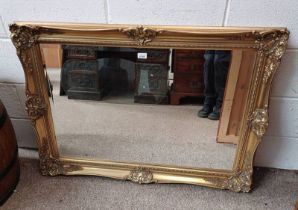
[27,62]
[23,37]
[141,176]
[240,182]
[259,121]
[52,166]
[35,106]
[140,34]
[273,44]
[48,165]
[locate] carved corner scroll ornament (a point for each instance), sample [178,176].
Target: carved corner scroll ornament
[273,44]
[23,37]
[52,166]
[48,165]
[259,121]
[240,182]
[35,106]
[140,34]
[141,176]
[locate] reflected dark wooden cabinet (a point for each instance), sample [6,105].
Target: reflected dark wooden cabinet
[82,77]
[79,75]
[152,77]
[187,66]
[79,52]
[152,83]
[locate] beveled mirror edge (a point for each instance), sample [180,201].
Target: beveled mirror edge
[269,44]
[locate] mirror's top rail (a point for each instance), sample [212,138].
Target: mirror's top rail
[90,26]
[136,35]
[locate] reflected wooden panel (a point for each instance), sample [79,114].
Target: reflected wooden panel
[235,96]
[52,55]
[187,66]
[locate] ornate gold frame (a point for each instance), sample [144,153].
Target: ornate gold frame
[269,44]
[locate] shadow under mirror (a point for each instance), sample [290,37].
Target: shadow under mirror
[157,106]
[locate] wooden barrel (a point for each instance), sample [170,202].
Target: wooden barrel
[9,162]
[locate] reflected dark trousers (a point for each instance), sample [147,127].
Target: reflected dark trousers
[216,68]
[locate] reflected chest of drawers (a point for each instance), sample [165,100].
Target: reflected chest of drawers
[80,76]
[187,66]
[151,70]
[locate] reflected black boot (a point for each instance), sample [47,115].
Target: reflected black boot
[203,113]
[215,115]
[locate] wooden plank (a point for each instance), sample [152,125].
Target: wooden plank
[52,55]
[228,98]
[235,96]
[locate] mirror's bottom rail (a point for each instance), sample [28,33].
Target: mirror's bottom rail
[149,173]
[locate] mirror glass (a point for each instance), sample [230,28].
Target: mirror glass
[157,106]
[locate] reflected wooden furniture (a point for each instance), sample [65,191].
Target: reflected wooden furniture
[51,55]
[152,76]
[74,58]
[9,161]
[81,77]
[79,57]
[187,66]
[79,74]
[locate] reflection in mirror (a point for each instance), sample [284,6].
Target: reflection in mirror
[158,106]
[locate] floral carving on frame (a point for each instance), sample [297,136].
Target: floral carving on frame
[140,34]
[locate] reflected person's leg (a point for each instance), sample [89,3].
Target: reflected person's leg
[221,67]
[209,89]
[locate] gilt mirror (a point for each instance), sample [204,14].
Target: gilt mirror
[149,104]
